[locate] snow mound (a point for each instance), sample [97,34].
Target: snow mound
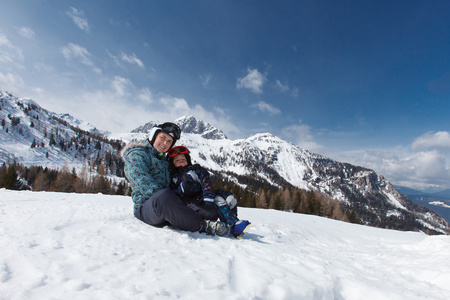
[85,246]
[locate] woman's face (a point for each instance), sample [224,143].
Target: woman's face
[162,142]
[180,161]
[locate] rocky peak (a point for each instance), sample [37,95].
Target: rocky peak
[190,124]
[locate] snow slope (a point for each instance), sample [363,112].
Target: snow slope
[84,246]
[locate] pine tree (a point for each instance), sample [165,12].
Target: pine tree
[81,182]
[64,181]
[245,199]
[297,200]
[102,185]
[261,200]
[121,188]
[352,217]
[10,178]
[129,191]
[42,182]
[275,202]
[3,170]
[313,205]
[286,200]
[337,213]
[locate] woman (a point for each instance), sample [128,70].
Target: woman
[147,170]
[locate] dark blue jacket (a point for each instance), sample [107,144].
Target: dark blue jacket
[196,182]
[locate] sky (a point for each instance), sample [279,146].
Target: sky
[364,82]
[90,246]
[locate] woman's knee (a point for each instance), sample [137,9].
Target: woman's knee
[165,197]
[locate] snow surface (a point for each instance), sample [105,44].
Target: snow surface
[85,246]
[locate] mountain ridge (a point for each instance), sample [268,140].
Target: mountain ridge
[32,135]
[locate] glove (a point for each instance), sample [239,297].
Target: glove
[220,201]
[231,201]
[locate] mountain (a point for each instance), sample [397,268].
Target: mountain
[90,246]
[189,125]
[437,201]
[34,136]
[409,191]
[443,194]
[271,160]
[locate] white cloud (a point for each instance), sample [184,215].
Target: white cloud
[78,18]
[120,86]
[285,88]
[8,52]
[430,164]
[125,107]
[295,92]
[282,87]
[27,32]
[425,163]
[74,51]
[266,107]
[300,134]
[439,140]
[11,82]
[43,68]
[416,170]
[132,59]
[254,81]
[115,59]
[145,95]
[205,80]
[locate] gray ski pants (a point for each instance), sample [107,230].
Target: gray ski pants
[165,208]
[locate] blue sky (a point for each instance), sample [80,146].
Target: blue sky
[365,82]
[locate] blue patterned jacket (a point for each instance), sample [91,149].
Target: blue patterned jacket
[147,171]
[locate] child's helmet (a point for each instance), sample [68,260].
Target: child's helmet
[178,150]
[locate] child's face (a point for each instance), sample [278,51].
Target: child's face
[180,161]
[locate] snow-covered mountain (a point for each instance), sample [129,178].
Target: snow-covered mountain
[190,125]
[272,160]
[34,136]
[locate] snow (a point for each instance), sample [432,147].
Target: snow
[394,201]
[86,246]
[439,203]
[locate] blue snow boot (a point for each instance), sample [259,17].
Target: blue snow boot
[215,228]
[238,229]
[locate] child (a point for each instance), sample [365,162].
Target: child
[192,183]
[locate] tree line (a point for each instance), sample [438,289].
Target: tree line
[256,194]
[261,194]
[37,178]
